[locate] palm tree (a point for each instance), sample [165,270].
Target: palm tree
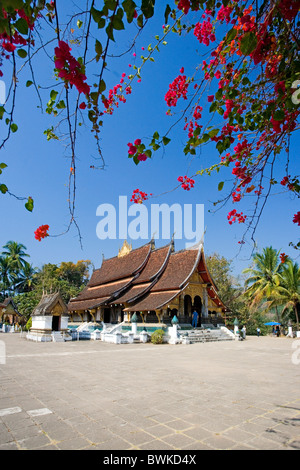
[15,253]
[26,278]
[287,293]
[5,275]
[263,277]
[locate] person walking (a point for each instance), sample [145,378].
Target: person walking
[195,319]
[258,331]
[244,332]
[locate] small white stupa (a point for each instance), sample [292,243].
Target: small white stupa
[50,320]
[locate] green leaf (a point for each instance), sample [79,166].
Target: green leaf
[213,132]
[29,83]
[231,35]
[53,95]
[118,24]
[167,12]
[220,147]
[248,43]
[166,140]
[109,32]
[14,127]
[148,8]
[129,8]
[279,115]
[22,53]
[140,21]
[22,26]
[29,204]
[96,15]
[98,48]
[220,185]
[3,188]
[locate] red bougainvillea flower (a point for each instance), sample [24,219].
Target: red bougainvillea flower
[138,196]
[41,232]
[296,218]
[69,69]
[186,183]
[177,89]
[234,216]
[283,257]
[137,151]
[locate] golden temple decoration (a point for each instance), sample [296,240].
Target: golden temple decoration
[125,250]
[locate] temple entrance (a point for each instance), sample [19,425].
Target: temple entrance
[106,316]
[187,305]
[198,308]
[55,322]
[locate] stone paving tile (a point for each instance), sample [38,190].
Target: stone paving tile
[73,444]
[33,442]
[213,403]
[219,443]
[178,440]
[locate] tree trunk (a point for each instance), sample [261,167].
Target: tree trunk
[297,316]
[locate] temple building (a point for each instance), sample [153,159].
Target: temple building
[49,319]
[9,313]
[153,283]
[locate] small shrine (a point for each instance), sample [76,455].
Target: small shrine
[50,319]
[9,313]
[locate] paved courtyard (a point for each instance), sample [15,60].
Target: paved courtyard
[93,395]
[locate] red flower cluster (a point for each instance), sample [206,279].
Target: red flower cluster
[296,218]
[289,8]
[186,183]
[203,32]
[286,182]
[224,14]
[116,95]
[135,150]
[236,195]
[184,5]
[234,216]
[283,257]
[177,89]
[69,69]
[41,232]
[139,196]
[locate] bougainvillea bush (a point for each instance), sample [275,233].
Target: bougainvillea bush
[248,75]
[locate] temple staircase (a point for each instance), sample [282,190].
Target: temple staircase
[204,335]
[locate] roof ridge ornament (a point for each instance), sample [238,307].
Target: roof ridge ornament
[125,250]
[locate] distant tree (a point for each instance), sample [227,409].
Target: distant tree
[287,293]
[26,278]
[15,252]
[230,290]
[76,274]
[263,277]
[68,278]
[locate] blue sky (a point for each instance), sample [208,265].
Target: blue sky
[40,169]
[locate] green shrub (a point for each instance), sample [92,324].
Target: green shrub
[157,336]
[28,324]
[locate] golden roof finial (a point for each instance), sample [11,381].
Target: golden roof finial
[125,250]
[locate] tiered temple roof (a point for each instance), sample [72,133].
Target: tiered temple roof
[144,279]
